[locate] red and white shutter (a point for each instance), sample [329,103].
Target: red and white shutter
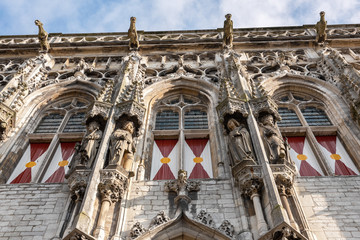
[59,165]
[29,163]
[197,158]
[303,156]
[336,155]
[165,159]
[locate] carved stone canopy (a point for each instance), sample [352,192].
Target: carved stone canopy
[283,232]
[99,112]
[77,234]
[263,106]
[130,111]
[231,106]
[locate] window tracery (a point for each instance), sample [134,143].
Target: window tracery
[51,145]
[181,138]
[315,145]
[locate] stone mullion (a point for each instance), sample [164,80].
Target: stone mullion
[278,214]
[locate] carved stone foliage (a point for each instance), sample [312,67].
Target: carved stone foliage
[7,120]
[252,186]
[77,182]
[137,230]
[227,228]
[159,219]
[112,185]
[284,182]
[205,218]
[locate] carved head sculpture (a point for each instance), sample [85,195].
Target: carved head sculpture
[228,16]
[129,126]
[38,23]
[268,120]
[93,126]
[232,124]
[322,15]
[133,19]
[182,175]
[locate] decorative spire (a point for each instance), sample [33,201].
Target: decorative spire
[227,90]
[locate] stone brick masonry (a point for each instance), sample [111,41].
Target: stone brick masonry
[31,211]
[331,206]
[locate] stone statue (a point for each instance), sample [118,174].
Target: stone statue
[43,37]
[92,141]
[273,141]
[321,28]
[132,34]
[122,146]
[228,31]
[240,142]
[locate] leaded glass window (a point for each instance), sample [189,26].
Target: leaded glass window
[288,118]
[315,116]
[49,123]
[167,120]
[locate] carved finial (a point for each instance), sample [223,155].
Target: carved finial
[43,37]
[132,34]
[321,28]
[228,31]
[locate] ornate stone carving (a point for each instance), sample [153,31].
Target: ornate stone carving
[181,184]
[159,219]
[228,31]
[76,234]
[133,110]
[265,105]
[77,181]
[112,185]
[137,230]
[7,120]
[99,109]
[105,95]
[239,142]
[132,34]
[92,141]
[252,186]
[205,218]
[81,68]
[227,228]
[122,147]
[321,28]
[273,141]
[43,37]
[283,232]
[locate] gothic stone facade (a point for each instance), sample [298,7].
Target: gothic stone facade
[181,136]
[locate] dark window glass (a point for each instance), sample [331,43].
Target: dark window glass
[288,118]
[75,123]
[315,117]
[49,123]
[196,119]
[167,120]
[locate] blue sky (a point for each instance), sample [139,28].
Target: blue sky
[81,16]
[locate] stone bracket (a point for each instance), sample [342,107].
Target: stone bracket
[76,234]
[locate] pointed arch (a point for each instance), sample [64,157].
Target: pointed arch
[183,227]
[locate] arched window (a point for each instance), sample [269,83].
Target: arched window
[51,145]
[315,147]
[181,138]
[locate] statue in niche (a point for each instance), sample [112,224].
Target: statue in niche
[321,28]
[240,142]
[273,141]
[91,141]
[228,31]
[122,147]
[43,37]
[132,34]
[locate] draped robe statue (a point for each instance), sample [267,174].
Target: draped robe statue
[240,142]
[92,141]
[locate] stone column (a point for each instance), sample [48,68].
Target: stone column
[112,187]
[284,186]
[252,189]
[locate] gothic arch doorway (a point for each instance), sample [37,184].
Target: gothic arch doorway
[183,228]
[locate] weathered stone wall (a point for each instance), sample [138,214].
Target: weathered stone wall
[216,197]
[31,211]
[331,206]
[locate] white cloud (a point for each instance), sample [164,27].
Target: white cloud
[70,16]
